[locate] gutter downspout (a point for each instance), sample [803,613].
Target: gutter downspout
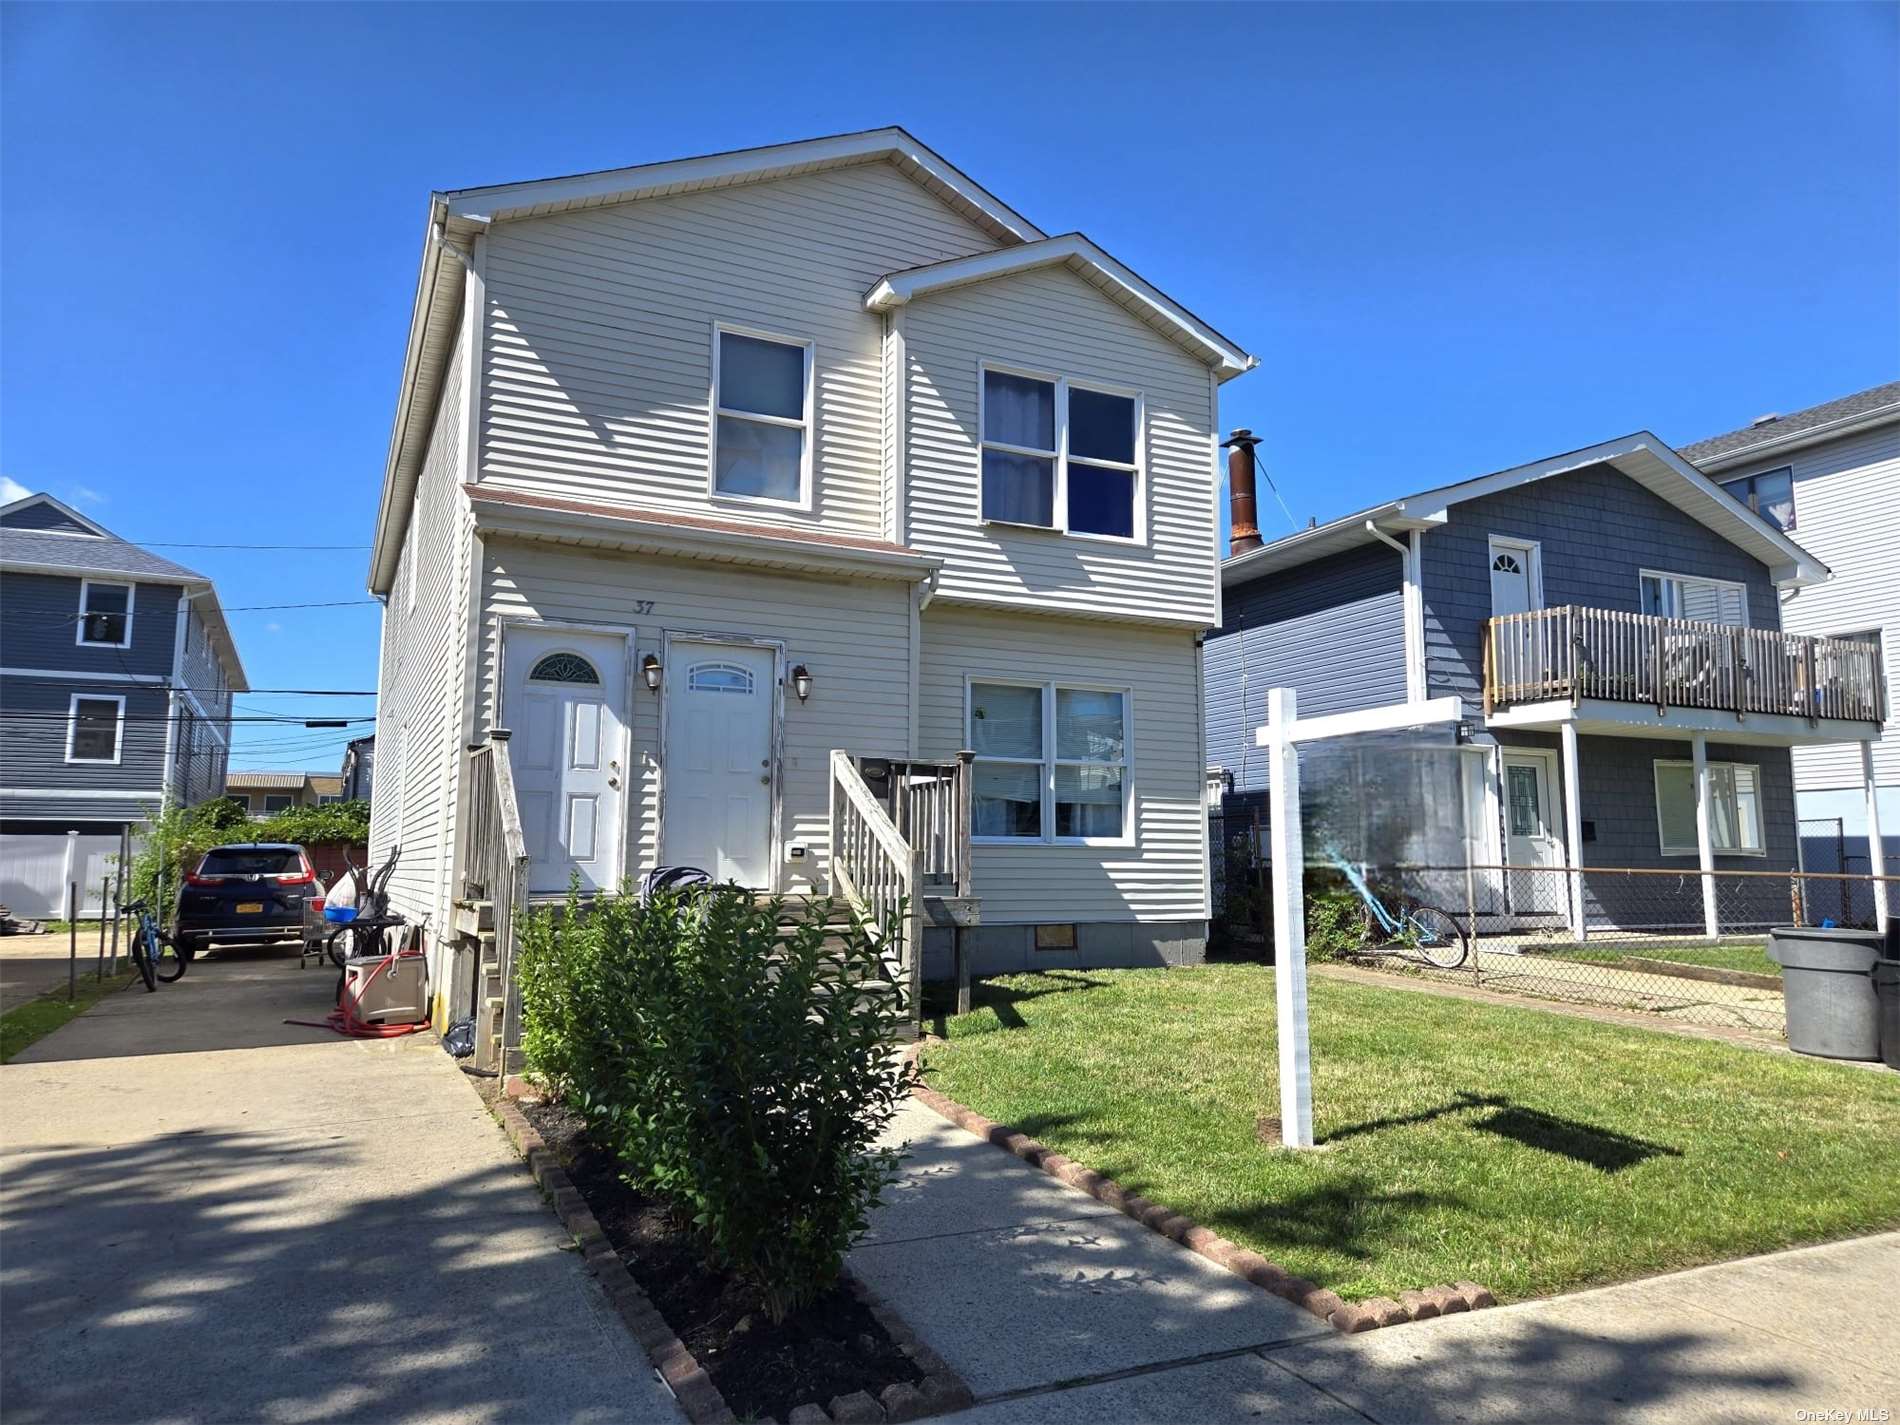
[1414,610]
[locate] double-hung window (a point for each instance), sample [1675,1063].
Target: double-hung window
[1769,494]
[1681,596]
[105,615]
[761,418]
[1735,821]
[1061,455]
[1051,763]
[95,727]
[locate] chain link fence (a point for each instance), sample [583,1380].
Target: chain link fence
[1676,944]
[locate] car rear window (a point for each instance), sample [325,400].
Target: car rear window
[251,861]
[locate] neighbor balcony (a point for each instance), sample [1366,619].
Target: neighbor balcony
[1605,671]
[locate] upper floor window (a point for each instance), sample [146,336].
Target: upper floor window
[1769,494]
[1706,600]
[761,418]
[105,614]
[94,728]
[1060,455]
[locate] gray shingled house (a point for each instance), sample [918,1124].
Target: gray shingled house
[116,675]
[1611,621]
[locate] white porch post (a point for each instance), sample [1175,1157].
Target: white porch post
[1704,835]
[1289,920]
[1573,828]
[1876,850]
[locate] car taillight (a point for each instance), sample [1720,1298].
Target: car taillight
[196,879]
[297,878]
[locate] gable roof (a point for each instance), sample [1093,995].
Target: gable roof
[1640,455]
[30,511]
[456,216]
[1086,260]
[1770,435]
[101,554]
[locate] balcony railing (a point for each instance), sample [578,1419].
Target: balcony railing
[1576,653]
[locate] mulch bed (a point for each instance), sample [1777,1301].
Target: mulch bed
[832,1348]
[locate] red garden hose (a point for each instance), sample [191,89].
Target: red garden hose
[343,1019]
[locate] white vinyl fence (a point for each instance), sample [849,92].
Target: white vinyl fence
[36,867]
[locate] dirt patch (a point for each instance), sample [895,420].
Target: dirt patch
[834,1347]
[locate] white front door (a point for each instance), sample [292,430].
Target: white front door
[1530,836]
[565,703]
[720,702]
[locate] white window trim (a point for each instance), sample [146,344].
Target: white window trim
[1665,574]
[1794,506]
[1048,761]
[1662,837]
[118,729]
[1532,549]
[1059,509]
[809,425]
[86,587]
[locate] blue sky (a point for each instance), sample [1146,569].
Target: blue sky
[1458,237]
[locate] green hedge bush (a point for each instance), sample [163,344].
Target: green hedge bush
[177,836]
[739,1071]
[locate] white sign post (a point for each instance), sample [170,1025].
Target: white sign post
[1281,737]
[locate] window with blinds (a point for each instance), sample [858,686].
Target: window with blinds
[1705,600]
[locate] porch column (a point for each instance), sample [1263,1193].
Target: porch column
[1876,850]
[1573,829]
[1704,835]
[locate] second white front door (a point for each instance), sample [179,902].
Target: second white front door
[1532,846]
[565,703]
[721,701]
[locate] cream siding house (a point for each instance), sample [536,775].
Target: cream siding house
[750,496]
[1830,476]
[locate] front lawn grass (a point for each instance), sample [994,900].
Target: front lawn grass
[1530,1151]
[1749,955]
[28,1023]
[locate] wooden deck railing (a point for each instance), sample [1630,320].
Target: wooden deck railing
[878,872]
[1576,653]
[495,872]
[930,806]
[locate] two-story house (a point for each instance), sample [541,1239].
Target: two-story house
[745,493]
[115,697]
[1611,621]
[1830,477]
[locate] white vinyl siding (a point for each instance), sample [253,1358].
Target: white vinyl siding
[1847,502]
[1051,320]
[1160,874]
[854,636]
[597,358]
[420,682]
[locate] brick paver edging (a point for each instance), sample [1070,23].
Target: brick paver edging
[1329,1306]
[940,1391]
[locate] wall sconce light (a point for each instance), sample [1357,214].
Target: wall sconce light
[650,670]
[801,682]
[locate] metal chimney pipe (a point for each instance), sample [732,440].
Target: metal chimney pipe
[1240,490]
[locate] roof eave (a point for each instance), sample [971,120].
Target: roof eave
[1795,440]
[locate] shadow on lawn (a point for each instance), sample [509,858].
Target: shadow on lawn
[1002,1001]
[1605,1149]
[1350,1216]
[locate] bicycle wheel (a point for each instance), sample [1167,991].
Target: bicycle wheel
[170,963]
[341,945]
[142,961]
[1437,936]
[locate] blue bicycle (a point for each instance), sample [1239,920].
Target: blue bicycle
[155,955]
[1413,930]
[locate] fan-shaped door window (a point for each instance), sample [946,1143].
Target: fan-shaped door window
[1506,563]
[563,668]
[719,678]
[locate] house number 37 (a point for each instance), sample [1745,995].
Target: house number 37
[643,606]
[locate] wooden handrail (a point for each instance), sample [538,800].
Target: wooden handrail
[495,869]
[1575,652]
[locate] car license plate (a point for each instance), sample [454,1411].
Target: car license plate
[250,907]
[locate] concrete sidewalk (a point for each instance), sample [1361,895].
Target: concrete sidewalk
[206,1214]
[1055,1308]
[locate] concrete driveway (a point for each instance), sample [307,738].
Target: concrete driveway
[207,1214]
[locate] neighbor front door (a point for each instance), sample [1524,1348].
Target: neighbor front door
[720,706]
[565,703]
[1532,846]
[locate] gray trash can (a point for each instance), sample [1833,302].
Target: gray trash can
[1887,991]
[1827,979]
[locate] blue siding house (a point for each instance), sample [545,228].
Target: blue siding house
[116,675]
[1610,622]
